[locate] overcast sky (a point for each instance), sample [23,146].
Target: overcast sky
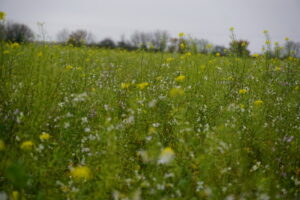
[208,19]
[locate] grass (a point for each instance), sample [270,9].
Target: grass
[137,125]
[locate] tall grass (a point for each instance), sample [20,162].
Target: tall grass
[231,125]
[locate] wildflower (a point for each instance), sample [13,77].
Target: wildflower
[265,31]
[142,85]
[218,54]
[180,78]
[277,68]
[15,195]
[39,54]
[44,136]
[242,91]
[256,55]
[276,43]
[125,85]
[5,52]
[182,46]
[2,145]
[231,28]
[258,102]
[286,39]
[2,15]
[27,145]
[169,59]
[166,156]
[181,34]
[15,45]
[69,67]
[176,92]
[81,172]
[268,42]
[209,46]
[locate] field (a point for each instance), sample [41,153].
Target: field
[85,123]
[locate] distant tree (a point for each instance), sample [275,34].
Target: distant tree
[202,45]
[63,36]
[2,32]
[292,48]
[219,49]
[159,40]
[16,32]
[174,44]
[107,43]
[239,48]
[80,37]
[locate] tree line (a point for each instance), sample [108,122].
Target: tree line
[156,41]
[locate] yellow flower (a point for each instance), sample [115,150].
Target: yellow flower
[182,45]
[5,52]
[242,91]
[231,28]
[176,92]
[44,136]
[27,145]
[69,67]
[40,54]
[180,78]
[15,195]
[218,54]
[81,172]
[2,15]
[181,34]
[286,39]
[2,145]
[166,155]
[169,59]
[258,102]
[209,46]
[256,55]
[142,85]
[277,68]
[276,43]
[265,31]
[15,45]
[268,42]
[125,85]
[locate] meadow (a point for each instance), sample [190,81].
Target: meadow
[88,123]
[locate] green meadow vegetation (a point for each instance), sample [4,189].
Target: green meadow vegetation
[88,123]
[80,122]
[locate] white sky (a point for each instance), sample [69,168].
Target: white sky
[208,19]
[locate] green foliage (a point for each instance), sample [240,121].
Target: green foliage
[239,48]
[85,123]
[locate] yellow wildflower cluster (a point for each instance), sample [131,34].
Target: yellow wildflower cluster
[142,85]
[15,45]
[258,102]
[181,34]
[174,92]
[170,59]
[27,145]
[180,78]
[125,85]
[242,91]
[2,15]
[81,172]
[69,67]
[166,155]
[45,136]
